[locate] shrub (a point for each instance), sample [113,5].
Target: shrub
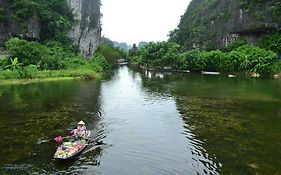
[99,63]
[191,60]
[29,72]
[9,74]
[272,42]
[255,59]
[213,60]
[234,45]
[32,53]
[27,52]
[4,61]
[160,54]
[110,53]
[74,63]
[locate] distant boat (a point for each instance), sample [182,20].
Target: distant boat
[167,68]
[184,71]
[231,76]
[121,62]
[210,73]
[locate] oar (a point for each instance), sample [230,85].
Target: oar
[97,142]
[40,141]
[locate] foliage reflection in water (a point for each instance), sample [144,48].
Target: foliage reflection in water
[32,115]
[236,120]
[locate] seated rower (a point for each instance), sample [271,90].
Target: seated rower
[80,131]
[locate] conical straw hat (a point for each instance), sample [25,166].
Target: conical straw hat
[81,123]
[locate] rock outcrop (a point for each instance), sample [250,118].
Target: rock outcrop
[86,32]
[213,24]
[29,28]
[6,25]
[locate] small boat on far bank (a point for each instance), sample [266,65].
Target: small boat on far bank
[231,76]
[210,73]
[184,71]
[121,62]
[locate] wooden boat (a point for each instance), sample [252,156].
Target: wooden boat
[210,73]
[71,147]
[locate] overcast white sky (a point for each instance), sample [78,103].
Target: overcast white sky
[132,21]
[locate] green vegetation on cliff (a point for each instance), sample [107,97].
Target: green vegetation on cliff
[213,24]
[251,5]
[54,15]
[272,42]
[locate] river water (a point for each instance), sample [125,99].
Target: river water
[145,123]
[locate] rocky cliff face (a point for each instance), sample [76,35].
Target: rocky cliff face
[86,32]
[4,23]
[30,28]
[214,24]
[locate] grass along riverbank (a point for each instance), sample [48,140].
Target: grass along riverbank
[55,75]
[28,81]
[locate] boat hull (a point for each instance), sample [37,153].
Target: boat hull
[72,147]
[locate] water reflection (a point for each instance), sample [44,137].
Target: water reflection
[236,123]
[155,75]
[146,129]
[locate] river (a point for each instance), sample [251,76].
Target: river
[146,123]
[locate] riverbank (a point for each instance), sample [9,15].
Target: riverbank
[56,75]
[32,61]
[245,59]
[28,81]
[228,74]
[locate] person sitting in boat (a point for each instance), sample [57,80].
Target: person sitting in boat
[80,131]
